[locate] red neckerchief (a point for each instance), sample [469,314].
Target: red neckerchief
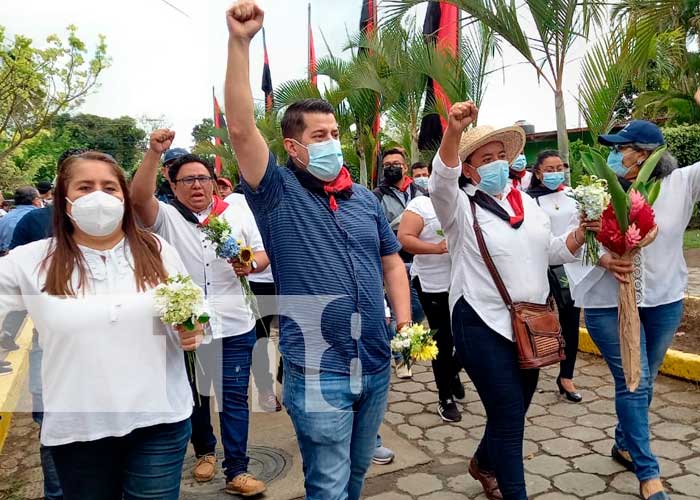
[407,181]
[218,209]
[341,183]
[517,177]
[515,198]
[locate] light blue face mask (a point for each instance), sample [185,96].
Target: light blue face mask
[422,182]
[325,159]
[519,164]
[552,180]
[615,162]
[494,177]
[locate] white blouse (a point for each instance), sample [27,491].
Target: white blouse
[433,270]
[662,275]
[522,255]
[109,366]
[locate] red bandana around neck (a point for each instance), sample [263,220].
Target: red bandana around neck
[515,198]
[407,181]
[218,209]
[341,183]
[517,177]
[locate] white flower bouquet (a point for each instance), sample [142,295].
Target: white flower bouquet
[180,302]
[592,198]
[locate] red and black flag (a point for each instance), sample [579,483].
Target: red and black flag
[267,79]
[368,26]
[313,71]
[219,124]
[441,27]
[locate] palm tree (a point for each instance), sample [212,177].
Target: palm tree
[558,23]
[387,74]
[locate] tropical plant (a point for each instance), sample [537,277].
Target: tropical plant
[558,24]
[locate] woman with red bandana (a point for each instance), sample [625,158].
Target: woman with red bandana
[552,195]
[518,176]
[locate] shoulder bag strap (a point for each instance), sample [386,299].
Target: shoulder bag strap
[489,261]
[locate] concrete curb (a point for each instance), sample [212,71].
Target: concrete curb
[11,385]
[676,363]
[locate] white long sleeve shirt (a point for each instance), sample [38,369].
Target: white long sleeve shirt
[521,256]
[110,365]
[663,274]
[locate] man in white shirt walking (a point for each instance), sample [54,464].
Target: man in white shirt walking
[227,359]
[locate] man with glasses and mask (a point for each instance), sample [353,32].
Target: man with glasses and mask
[227,359]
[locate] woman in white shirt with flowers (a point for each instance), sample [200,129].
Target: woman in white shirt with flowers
[518,236]
[116,397]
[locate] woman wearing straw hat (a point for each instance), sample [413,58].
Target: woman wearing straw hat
[517,234]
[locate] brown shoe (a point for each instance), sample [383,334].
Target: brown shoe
[205,468]
[245,485]
[487,480]
[269,402]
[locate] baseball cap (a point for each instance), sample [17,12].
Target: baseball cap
[225,181]
[173,154]
[640,131]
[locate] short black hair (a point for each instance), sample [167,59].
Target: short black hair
[175,166]
[394,151]
[419,164]
[293,123]
[541,157]
[25,195]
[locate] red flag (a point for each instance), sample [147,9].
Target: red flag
[267,79]
[313,72]
[219,124]
[441,27]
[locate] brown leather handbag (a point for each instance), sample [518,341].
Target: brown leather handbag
[536,327]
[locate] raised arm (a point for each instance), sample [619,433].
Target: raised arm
[244,20]
[447,167]
[143,187]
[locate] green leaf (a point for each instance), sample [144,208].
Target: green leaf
[648,167]
[203,318]
[654,192]
[619,199]
[188,325]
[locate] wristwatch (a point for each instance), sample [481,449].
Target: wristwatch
[253,265]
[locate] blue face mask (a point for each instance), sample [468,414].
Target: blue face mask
[615,162]
[421,182]
[519,164]
[325,159]
[552,180]
[494,177]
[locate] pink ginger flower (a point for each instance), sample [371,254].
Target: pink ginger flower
[637,203]
[632,237]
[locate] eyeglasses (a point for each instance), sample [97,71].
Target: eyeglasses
[189,181]
[395,164]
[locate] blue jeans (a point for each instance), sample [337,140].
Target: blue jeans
[52,486]
[658,325]
[144,464]
[226,363]
[491,361]
[336,419]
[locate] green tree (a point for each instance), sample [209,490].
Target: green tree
[203,131]
[558,24]
[36,84]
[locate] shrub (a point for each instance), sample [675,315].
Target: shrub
[684,143]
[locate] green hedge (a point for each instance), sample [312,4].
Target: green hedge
[684,143]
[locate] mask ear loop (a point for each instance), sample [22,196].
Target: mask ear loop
[297,158]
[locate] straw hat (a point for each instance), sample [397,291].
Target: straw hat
[513,139]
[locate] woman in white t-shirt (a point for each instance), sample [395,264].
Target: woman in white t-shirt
[116,397]
[551,194]
[420,234]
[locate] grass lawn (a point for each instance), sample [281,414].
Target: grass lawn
[691,239]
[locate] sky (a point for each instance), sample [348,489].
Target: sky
[165,63]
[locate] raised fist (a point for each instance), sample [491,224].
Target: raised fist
[462,114]
[161,140]
[244,19]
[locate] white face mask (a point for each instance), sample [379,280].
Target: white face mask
[98,214]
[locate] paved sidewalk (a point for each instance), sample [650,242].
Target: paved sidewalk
[567,445]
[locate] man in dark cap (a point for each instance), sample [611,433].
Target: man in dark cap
[165,191]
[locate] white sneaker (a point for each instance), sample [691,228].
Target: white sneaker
[403,371]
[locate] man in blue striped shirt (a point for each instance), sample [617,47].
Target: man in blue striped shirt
[332,252]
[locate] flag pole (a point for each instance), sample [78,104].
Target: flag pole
[308,44]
